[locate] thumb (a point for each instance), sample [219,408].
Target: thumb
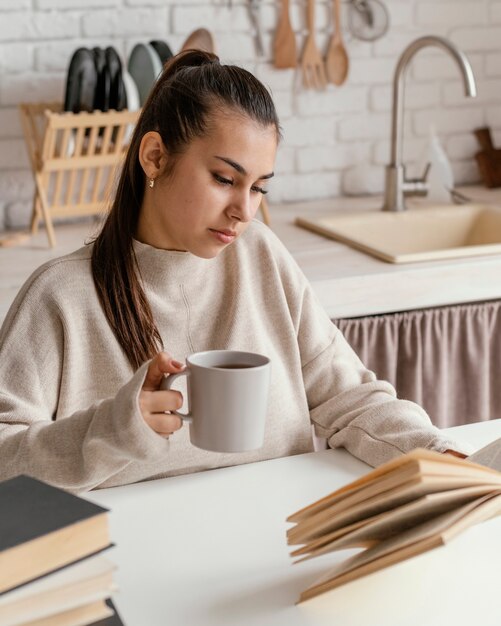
[161,364]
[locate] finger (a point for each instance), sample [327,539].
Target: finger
[163,423]
[322,76]
[161,364]
[160,401]
[306,78]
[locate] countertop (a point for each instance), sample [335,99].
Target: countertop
[350,283]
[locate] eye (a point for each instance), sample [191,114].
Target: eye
[221,180]
[259,190]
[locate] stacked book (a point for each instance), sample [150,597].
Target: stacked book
[403,508]
[52,568]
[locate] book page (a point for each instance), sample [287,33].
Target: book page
[396,521]
[425,536]
[88,568]
[305,531]
[91,613]
[489,455]
[395,465]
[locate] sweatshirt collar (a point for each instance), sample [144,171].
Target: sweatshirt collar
[158,266]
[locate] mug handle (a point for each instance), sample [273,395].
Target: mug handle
[167,384]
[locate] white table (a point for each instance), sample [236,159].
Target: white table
[209,549]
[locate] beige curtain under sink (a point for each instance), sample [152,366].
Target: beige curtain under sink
[446,359]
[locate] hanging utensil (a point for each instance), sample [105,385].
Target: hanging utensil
[285,40]
[200,39]
[256,24]
[368,20]
[336,62]
[312,64]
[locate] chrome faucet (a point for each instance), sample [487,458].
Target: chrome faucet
[397,186]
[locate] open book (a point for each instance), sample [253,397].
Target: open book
[489,455]
[407,506]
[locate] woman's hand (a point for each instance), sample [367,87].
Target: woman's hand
[460,455]
[155,403]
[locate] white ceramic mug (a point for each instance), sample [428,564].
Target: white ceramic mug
[227,397]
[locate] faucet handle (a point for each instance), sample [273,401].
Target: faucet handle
[417,186]
[417,179]
[427,169]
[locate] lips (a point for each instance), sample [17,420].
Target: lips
[225,231]
[224,236]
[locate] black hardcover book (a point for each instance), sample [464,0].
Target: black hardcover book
[44,528]
[112,620]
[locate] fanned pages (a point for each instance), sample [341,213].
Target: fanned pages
[403,508]
[369,531]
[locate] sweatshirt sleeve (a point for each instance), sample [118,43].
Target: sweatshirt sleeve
[348,405]
[77,452]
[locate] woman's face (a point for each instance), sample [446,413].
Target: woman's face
[214,189]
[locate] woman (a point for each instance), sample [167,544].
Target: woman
[180,266]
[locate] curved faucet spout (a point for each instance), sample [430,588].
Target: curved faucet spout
[398,84]
[396,184]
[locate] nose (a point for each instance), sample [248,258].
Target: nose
[243,206]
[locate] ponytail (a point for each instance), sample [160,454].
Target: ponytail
[191,87]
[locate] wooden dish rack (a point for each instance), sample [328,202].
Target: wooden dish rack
[74,158]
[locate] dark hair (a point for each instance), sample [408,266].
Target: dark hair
[192,87]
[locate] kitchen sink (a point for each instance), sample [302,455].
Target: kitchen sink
[419,234]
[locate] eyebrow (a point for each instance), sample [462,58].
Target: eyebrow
[240,169]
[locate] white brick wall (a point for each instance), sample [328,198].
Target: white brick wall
[336,141]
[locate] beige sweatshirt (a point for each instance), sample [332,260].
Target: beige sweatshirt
[69,410]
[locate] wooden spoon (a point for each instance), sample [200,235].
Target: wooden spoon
[285,40]
[336,62]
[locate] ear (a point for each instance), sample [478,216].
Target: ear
[152,154]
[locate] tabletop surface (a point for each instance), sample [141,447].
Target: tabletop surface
[209,549]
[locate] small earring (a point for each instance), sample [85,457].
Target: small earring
[152,183]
